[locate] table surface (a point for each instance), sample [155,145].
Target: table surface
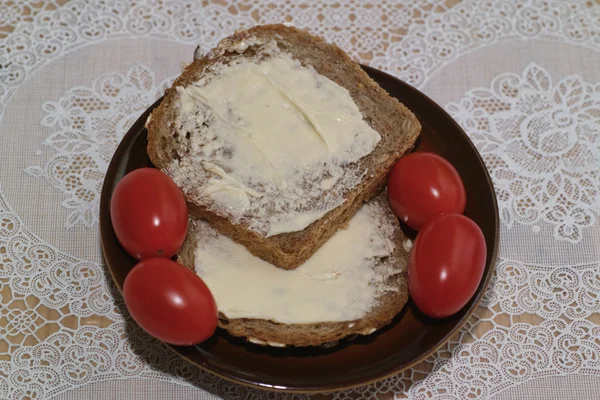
[521,77]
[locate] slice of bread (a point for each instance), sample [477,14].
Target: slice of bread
[396,125]
[390,285]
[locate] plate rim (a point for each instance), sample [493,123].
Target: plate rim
[113,169]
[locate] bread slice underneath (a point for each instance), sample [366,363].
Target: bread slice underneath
[396,125]
[388,304]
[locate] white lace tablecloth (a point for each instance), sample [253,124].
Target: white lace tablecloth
[521,77]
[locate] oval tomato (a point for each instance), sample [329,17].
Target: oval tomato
[170,302]
[422,186]
[149,214]
[446,265]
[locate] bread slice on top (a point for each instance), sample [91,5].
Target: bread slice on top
[180,144]
[355,284]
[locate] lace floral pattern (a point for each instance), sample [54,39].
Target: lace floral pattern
[61,322]
[541,144]
[470,25]
[15,12]
[483,361]
[91,122]
[363,29]
[549,292]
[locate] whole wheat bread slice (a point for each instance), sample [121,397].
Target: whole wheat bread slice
[388,305]
[396,125]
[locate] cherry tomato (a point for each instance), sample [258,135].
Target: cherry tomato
[149,214]
[170,302]
[446,265]
[422,186]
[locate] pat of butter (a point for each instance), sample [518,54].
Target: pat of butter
[283,137]
[342,281]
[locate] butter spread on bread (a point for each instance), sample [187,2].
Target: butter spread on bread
[279,138]
[340,282]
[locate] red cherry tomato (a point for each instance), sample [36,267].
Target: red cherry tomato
[423,186]
[149,214]
[170,302]
[446,265]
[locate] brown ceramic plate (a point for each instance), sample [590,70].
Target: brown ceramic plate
[408,340]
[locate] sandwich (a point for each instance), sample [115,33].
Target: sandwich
[354,284]
[276,139]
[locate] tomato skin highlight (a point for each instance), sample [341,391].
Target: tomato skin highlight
[149,214]
[170,302]
[446,265]
[423,186]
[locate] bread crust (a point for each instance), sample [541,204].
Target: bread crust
[397,126]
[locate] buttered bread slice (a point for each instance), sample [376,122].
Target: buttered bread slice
[353,285]
[276,139]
